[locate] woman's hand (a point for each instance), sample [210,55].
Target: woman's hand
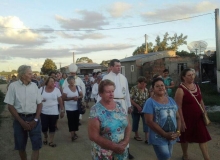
[120,148]
[169,135]
[75,98]
[61,114]
[139,108]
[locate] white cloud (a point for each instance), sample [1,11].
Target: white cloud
[179,10]
[102,47]
[118,9]
[82,36]
[15,32]
[89,20]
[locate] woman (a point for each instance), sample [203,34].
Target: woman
[162,118]
[109,128]
[64,76]
[193,128]
[139,94]
[49,114]
[169,84]
[88,86]
[70,97]
[151,89]
[95,88]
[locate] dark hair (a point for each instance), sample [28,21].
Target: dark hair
[104,83]
[183,73]
[155,76]
[165,70]
[14,76]
[156,80]
[94,73]
[52,72]
[141,79]
[98,72]
[48,80]
[64,74]
[112,62]
[86,74]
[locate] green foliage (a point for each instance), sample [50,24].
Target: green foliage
[3,81]
[168,43]
[185,53]
[84,60]
[48,66]
[105,63]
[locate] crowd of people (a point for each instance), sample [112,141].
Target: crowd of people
[38,103]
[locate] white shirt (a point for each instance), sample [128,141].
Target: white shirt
[119,79]
[24,98]
[71,105]
[50,106]
[95,88]
[78,82]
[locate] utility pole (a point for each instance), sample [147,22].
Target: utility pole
[146,50]
[73,57]
[217,33]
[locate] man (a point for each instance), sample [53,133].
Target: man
[14,78]
[121,93]
[93,78]
[34,79]
[78,81]
[24,103]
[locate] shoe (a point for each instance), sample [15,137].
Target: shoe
[74,137]
[185,158]
[130,156]
[146,141]
[138,138]
[51,144]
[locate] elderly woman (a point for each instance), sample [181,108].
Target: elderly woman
[169,84]
[71,94]
[139,94]
[193,129]
[49,114]
[95,88]
[162,117]
[109,128]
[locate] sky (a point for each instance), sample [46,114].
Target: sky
[32,31]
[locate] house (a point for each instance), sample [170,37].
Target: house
[154,63]
[85,68]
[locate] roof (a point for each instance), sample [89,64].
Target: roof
[88,65]
[136,57]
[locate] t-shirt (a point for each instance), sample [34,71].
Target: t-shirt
[95,91]
[165,116]
[71,105]
[50,106]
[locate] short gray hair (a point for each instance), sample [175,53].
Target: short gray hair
[70,78]
[22,70]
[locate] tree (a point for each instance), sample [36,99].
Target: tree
[48,66]
[84,60]
[168,43]
[185,53]
[105,63]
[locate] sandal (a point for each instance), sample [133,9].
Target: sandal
[51,144]
[74,137]
[45,141]
[138,138]
[146,141]
[185,158]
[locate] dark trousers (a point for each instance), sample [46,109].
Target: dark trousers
[48,122]
[73,120]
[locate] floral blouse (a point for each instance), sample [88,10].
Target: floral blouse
[112,127]
[139,97]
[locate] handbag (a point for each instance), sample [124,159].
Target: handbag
[204,114]
[80,104]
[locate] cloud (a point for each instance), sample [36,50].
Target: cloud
[15,32]
[101,47]
[90,20]
[178,10]
[118,9]
[82,36]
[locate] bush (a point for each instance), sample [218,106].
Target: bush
[3,81]
[2,104]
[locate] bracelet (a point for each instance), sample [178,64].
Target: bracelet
[178,132]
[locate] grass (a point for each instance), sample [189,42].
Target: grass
[2,104]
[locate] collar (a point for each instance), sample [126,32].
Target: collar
[114,73]
[21,82]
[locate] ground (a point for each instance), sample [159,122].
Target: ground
[80,149]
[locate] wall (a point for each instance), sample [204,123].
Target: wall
[131,76]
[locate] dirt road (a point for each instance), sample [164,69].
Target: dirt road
[80,149]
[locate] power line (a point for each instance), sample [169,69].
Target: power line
[104,29]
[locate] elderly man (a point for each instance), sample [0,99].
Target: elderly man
[121,93]
[78,81]
[24,103]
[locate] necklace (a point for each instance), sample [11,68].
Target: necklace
[162,100]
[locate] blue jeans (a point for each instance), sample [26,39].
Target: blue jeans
[135,122]
[21,135]
[163,152]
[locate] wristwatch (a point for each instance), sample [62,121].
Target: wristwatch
[35,119]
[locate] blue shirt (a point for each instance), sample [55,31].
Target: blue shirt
[165,116]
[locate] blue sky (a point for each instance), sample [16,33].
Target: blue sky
[32,31]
